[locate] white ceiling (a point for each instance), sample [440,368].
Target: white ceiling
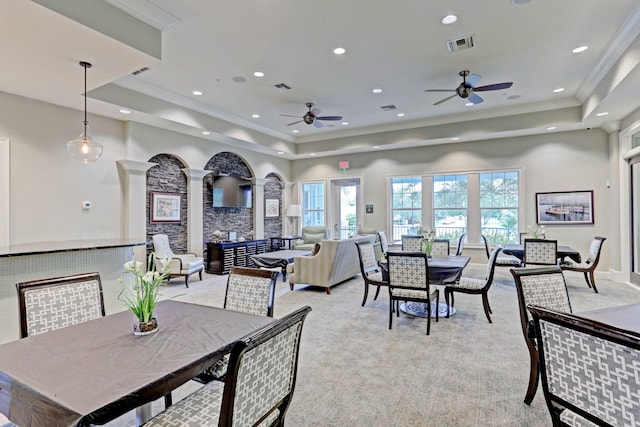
[398,46]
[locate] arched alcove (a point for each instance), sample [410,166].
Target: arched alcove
[168,178]
[273,190]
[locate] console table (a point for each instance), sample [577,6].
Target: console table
[221,256]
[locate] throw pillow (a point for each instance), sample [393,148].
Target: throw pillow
[313,237]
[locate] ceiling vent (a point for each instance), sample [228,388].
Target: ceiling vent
[389,107]
[140,71]
[466,42]
[282,87]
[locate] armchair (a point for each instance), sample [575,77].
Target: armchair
[589,266]
[311,234]
[181,265]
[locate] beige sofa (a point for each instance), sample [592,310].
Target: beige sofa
[336,262]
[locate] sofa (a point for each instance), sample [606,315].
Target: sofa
[311,234]
[335,262]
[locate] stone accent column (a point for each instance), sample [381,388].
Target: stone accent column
[258,209]
[195,232]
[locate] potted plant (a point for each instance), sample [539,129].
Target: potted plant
[142,298]
[427,243]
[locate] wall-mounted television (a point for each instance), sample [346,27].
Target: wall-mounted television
[231,192]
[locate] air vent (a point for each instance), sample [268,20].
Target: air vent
[389,107]
[282,87]
[141,70]
[466,42]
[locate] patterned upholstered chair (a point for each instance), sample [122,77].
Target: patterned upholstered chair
[384,243]
[259,387]
[589,266]
[589,370]
[472,285]
[460,245]
[540,252]
[371,273]
[503,260]
[412,243]
[440,248]
[545,287]
[409,281]
[50,304]
[181,265]
[249,290]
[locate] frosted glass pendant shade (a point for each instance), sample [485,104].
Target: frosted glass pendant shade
[84,148]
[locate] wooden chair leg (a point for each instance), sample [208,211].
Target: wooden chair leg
[390,312]
[447,292]
[593,281]
[586,278]
[533,377]
[186,280]
[366,293]
[485,304]
[377,293]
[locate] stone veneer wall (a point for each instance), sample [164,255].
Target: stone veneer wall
[225,219]
[168,177]
[273,190]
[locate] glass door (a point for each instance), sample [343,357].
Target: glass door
[345,194]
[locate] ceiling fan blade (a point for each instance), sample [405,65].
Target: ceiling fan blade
[329,118]
[289,115]
[475,99]
[318,124]
[473,79]
[315,111]
[439,90]
[446,99]
[293,123]
[497,86]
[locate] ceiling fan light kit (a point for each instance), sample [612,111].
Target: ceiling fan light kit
[468,86]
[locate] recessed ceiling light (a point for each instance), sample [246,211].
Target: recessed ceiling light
[604,113]
[206,132]
[376,146]
[123,111]
[580,49]
[295,131]
[449,19]
[400,115]
[520,2]
[312,154]
[558,90]
[469,104]
[197,92]
[455,138]
[258,74]
[339,50]
[513,97]
[345,123]
[552,127]
[377,90]
[255,116]
[280,152]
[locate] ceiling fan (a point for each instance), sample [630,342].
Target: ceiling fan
[311,117]
[468,87]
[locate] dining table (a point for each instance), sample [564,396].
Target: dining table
[623,317]
[441,271]
[517,251]
[93,372]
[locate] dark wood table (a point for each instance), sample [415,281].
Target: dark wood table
[278,259]
[95,371]
[440,269]
[563,251]
[622,317]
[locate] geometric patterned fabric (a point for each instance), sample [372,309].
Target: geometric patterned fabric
[408,272]
[596,375]
[440,248]
[54,307]
[248,294]
[546,290]
[542,252]
[412,243]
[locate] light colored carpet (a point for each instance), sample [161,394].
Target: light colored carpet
[354,371]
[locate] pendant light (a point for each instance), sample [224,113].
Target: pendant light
[84,148]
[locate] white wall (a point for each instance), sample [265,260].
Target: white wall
[563,161]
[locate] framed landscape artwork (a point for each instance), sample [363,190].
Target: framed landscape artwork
[569,207]
[165,207]
[271,208]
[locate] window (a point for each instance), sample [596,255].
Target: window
[406,205]
[499,206]
[313,203]
[450,205]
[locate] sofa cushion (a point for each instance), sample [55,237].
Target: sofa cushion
[313,237]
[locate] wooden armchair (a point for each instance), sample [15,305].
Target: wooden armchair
[589,266]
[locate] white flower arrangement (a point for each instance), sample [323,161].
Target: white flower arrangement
[143,297]
[427,245]
[536,231]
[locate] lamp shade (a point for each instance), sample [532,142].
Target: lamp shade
[294,211]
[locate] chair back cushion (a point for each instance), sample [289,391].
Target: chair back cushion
[161,246]
[250,290]
[411,243]
[491,265]
[540,251]
[384,243]
[589,365]
[440,248]
[367,257]
[408,270]
[594,250]
[460,245]
[262,371]
[50,304]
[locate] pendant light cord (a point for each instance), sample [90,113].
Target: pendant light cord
[85,65]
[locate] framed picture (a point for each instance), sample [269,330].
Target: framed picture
[165,207]
[568,207]
[271,208]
